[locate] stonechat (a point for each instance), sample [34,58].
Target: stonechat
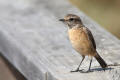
[82,40]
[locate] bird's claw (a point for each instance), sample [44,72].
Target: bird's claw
[77,70]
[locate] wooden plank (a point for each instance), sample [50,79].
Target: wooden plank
[36,43]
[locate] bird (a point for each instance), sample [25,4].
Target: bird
[82,40]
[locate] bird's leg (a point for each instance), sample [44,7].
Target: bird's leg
[90,65]
[83,57]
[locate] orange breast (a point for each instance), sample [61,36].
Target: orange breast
[80,41]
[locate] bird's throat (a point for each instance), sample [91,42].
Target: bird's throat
[75,26]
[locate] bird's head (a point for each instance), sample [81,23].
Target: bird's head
[71,20]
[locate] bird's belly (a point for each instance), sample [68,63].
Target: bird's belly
[81,47]
[80,42]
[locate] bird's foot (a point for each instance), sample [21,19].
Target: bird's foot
[77,70]
[89,71]
[86,71]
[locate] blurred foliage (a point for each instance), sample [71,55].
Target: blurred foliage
[105,12]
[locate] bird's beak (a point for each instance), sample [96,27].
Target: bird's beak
[63,20]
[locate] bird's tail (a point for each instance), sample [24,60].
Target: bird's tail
[102,63]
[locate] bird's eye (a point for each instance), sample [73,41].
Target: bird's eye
[71,19]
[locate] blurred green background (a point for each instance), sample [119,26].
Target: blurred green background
[105,12]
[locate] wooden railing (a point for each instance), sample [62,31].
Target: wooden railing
[36,43]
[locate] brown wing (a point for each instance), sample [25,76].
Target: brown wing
[90,36]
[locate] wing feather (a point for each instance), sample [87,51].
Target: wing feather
[90,36]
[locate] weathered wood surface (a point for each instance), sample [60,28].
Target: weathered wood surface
[36,43]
